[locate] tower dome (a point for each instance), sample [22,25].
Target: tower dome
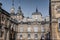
[36,13]
[12,10]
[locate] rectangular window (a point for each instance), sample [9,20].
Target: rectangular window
[59,26]
[0,19]
[42,29]
[29,35]
[21,35]
[3,18]
[1,33]
[36,35]
[35,29]
[21,29]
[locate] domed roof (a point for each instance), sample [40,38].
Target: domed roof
[12,11]
[36,13]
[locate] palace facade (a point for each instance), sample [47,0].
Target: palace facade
[34,28]
[18,27]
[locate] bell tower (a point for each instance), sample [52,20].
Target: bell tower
[12,11]
[54,11]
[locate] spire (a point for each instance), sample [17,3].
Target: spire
[12,9]
[13,3]
[19,9]
[36,10]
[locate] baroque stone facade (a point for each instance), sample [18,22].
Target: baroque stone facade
[25,28]
[34,28]
[7,25]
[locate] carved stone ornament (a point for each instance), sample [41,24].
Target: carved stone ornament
[58,8]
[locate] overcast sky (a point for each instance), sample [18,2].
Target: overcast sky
[27,6]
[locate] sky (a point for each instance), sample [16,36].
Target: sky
[27,6]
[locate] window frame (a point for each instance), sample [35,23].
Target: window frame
[29,36]
[36,35]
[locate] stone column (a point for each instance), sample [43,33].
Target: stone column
[7,35]
[54,30]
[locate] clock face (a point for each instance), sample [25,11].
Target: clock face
[58,9]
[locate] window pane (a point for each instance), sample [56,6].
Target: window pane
[1,33]
[36,35]
[29,29]
[42,29]
[35,29]
[28,35]
[59,25]
[20,35]
[21,29]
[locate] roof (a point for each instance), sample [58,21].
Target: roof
[36,13]
[4,12]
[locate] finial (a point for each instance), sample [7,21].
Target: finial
[13,9]
[36,10]
[12,2]
[19,8]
